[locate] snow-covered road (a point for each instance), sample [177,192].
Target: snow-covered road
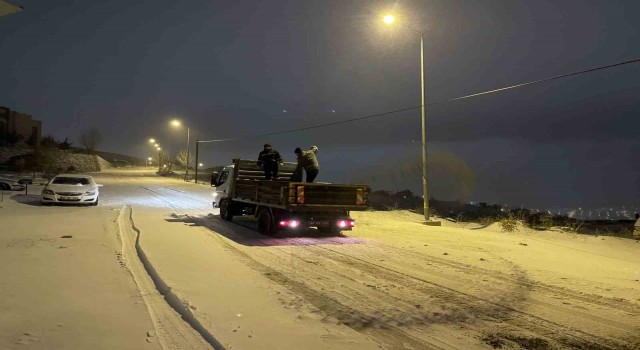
[392,283]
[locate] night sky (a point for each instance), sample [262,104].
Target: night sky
[233,69]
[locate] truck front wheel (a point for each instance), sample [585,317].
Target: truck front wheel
[226,210]
[266,224]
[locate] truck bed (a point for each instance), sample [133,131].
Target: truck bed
[250,187]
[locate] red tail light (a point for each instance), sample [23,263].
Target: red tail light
[345,223]
[290,223]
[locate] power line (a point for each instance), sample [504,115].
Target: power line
[428,104]
[542,80]
[316,126]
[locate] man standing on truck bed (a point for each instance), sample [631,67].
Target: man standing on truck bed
[269,159]
[308,161]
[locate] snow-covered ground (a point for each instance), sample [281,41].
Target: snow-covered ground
[392,283]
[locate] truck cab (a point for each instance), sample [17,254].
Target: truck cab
[219,180]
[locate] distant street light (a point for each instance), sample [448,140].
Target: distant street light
[159,158]
[390,19]
[176,123]
[200,165]
[156,145]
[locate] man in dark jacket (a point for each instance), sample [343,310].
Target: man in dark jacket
[308,161]
[269,159]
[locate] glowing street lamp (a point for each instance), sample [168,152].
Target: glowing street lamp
[152,140]
[390,19]
[200,165]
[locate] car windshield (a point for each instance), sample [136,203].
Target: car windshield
[71,181]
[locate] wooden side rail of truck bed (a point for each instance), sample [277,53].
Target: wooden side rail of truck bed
[250,187]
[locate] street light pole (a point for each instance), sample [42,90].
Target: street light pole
[389,19]
[186,173]
[424,134]
[197,144]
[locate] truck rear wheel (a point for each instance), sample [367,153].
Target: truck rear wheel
[226,210]
[266,224]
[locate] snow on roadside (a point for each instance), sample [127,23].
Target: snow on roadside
[608,266]
[64,285]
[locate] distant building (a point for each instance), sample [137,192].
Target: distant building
[19,129]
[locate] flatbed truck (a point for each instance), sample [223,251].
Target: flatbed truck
[280,204]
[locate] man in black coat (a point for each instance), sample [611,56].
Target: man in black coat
[269,159]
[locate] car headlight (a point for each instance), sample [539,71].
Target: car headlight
[48,191]
[90,193]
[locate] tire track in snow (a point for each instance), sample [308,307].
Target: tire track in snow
[175,325]
[498,275]
[605,311]
[471,271]
[508,314]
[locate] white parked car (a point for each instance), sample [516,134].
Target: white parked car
[71,188]
[8,184]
